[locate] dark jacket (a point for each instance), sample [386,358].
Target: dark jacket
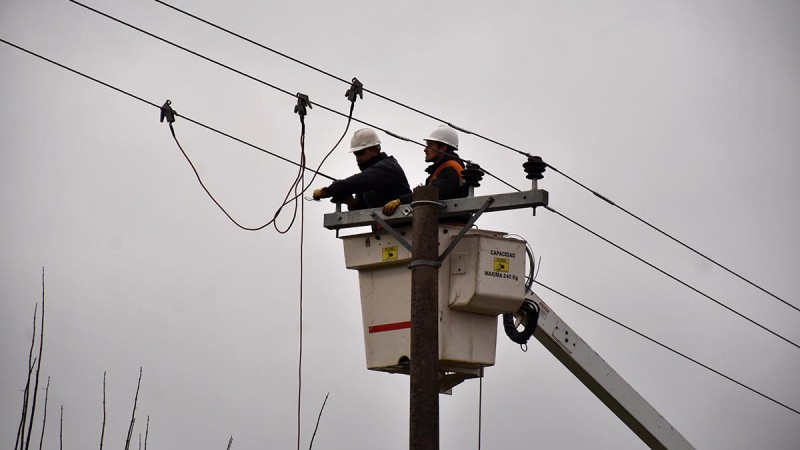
[381,180]
[448,180]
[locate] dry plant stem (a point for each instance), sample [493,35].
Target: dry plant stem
[44,415]
[318,419]
[38,370]
[20,431]
[140,441]
[103,429]
[146,432]
[230,441]
[61,430]
[20,443]
[133,414]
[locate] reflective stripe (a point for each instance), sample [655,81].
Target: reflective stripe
[452,163]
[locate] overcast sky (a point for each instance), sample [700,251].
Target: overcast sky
[684,112]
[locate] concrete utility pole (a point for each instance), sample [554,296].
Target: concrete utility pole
[424,402]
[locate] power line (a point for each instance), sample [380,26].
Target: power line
[708,258]
[258,80]
[667,347]
[416,110]
[672,277]
[237,71]
[121,91]
[396,102]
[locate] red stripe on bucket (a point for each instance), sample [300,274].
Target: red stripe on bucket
[389,327]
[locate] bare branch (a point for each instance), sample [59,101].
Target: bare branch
[140,441]
[146,432]
[61,430]
[230,441]
[133,414]
[20,443]
[44,416]
[318,419]
[103,429]
[38,370]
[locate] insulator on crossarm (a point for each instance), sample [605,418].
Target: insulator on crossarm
[472,176]
[534,168]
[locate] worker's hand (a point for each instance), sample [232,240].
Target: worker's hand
[320,193]
[389,208]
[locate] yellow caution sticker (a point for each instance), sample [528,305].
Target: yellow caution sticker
[500,264]
[389,253]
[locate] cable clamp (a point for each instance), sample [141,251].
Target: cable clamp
[456,127]
[167,112]
[397,136]
[356,90]
[424,262]
[302,103]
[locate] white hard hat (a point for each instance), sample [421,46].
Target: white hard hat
[364,138]
[445,135]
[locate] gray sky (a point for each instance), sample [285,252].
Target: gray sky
[683,112]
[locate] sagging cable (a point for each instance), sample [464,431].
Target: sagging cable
[169,114]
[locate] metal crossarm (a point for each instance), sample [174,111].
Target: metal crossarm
[455,207]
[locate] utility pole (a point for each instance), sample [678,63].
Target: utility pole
[424,402]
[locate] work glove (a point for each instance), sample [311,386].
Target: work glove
[389,208]
[320,193]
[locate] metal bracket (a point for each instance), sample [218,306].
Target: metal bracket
[402,240]
[424,262]
[466,228]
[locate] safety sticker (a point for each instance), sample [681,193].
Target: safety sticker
[500,264]
[389,253]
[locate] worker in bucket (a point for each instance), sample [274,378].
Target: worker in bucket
[444,171]
[380,180]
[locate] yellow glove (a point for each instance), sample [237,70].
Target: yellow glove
[320,193]
[389,208]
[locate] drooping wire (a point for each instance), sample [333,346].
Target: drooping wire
[302,229]
[480,409]
[520,152]
[674,278]
[286,200]
[258,80]
[668,348]
[673,238]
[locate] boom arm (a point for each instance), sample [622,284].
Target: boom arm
[604,382]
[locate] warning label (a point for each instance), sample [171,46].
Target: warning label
[389,253]
[500,264]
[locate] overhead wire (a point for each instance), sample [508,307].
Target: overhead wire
[674,278]
[683,355]
[485,138]
[260,81]
[301,165]
[673,238]
[377,94]
[148,102]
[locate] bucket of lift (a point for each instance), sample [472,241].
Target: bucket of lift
[482,277]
